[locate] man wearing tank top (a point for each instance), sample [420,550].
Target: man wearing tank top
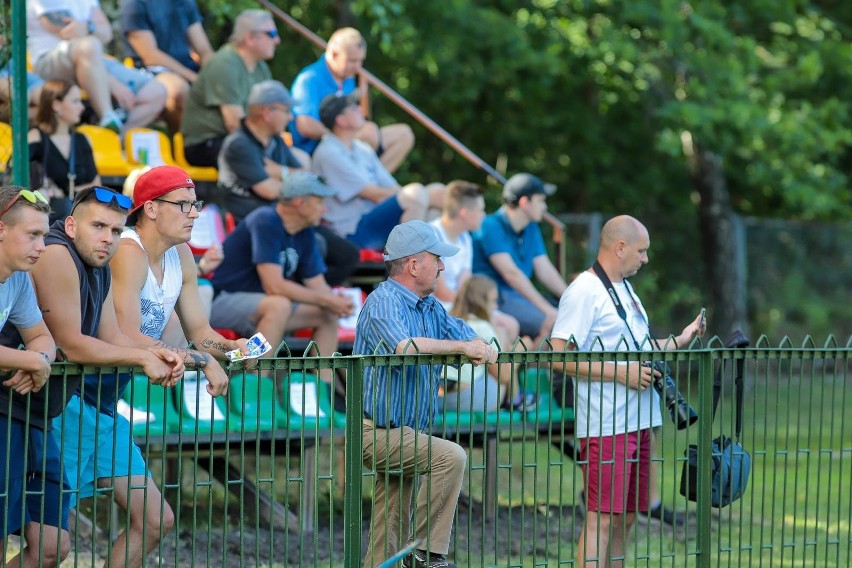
[154,274]
[73,286]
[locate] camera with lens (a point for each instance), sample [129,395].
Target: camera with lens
[681,413]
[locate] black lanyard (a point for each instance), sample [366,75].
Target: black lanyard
[619,307]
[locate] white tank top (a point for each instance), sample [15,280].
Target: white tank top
[158,302]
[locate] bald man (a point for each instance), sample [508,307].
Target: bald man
[335,72]
[615,408]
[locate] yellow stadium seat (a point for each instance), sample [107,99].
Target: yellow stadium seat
[106,146]
[154,143]
[5,146]
[197,173]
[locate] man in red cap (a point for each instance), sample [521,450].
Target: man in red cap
[154,273]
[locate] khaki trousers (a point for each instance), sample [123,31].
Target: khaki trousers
[399,456]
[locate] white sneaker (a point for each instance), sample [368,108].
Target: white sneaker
[112,121]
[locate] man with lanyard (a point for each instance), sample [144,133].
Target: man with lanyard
[31,485]
[400,403]
[73,286]
[615,408]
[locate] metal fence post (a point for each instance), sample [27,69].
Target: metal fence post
[705,436]
[353,459]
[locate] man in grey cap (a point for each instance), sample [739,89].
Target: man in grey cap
[255,161]
[402,316]
[510,249]
[272,279]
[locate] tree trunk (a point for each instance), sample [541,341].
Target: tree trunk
[724,251]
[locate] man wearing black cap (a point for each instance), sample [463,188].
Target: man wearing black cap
[255,161]
[510,249]
[272,279]
[369,202]
[400,402]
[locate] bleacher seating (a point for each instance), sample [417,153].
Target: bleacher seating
[5,147]
[197,173]
[112,166]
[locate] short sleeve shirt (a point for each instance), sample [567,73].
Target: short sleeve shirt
[588,316]
[348,171]
[224,80]
[39,39]
[497,236]
[262,239]
[312,84]
[168,21]
[241,167]
[458,264]
[393,396]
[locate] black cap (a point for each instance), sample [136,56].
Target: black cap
[525,185]
[333,105]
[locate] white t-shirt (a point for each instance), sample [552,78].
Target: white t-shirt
[39,39]
[587,313]
[458,264]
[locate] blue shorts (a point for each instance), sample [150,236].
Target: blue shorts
[375,227]
[38,474]
[95,446]
[529,317]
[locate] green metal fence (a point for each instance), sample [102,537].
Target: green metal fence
[272,475]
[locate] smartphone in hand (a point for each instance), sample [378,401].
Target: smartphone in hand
[702,321]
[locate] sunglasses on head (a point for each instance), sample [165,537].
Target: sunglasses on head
[103,195]
[29,195]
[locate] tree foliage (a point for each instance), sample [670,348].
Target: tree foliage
[609,99]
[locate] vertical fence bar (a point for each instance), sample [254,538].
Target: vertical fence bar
[20,150]
[353,459]
[705,435]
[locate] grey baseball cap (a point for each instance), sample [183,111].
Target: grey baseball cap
[300,184]
[269,93]
[413,237]
[525,185]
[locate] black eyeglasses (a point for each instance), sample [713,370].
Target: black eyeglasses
[271,33]
[103,195]
[185,206]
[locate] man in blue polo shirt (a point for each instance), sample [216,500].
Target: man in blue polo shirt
[509,248]
[400,402]
[334,73]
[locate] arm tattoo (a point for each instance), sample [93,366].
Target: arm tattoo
[209,343]
[189,356]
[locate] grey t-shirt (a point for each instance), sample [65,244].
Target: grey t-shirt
[348,172]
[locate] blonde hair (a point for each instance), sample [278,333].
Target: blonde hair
[472,298]
[130,180]
[344,38]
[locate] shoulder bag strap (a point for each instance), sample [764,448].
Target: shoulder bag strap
[72,167]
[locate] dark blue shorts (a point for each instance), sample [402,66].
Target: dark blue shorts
[34,466]
[375,227]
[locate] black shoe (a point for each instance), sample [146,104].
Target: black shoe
[666,516]
[417,559]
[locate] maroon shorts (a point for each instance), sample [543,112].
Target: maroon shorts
[617,471]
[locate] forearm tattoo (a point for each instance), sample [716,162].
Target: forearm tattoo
[212,344]
[190,357]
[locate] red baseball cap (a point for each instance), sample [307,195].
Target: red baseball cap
[155,183]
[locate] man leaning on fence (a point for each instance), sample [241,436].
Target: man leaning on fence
[73,286]
[402,316]
[616,408]
[31,483]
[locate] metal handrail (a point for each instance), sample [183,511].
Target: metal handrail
[419,116]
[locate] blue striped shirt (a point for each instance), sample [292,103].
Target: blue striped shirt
[394,397]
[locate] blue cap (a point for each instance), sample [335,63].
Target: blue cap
[414,237]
